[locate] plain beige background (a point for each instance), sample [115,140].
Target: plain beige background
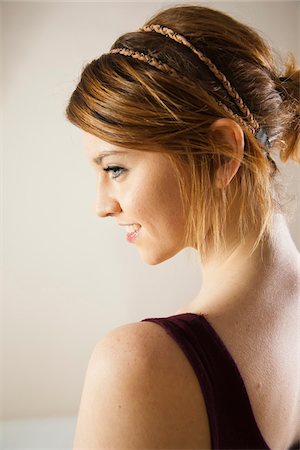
[68,276]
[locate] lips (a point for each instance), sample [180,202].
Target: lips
[133,232]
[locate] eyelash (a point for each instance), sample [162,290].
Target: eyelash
[114,169]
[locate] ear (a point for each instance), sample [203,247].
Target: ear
[229,132]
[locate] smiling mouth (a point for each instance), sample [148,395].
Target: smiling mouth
[133,228]
[133,232]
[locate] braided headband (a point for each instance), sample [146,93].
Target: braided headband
[254,126]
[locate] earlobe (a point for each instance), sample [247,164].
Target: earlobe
[228,131]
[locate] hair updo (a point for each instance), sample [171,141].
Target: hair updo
[132,104]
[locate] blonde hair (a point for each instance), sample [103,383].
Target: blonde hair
[132,103]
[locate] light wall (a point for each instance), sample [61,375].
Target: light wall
[69,277]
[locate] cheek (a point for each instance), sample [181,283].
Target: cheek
[156,202]
[140,204]
[169,200]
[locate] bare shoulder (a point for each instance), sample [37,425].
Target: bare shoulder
[139,392]
[138,339]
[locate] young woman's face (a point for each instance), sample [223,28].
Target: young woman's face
[139,189]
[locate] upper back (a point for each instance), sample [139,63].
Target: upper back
[266,350]
[255,360]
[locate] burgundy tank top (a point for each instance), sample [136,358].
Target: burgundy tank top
[231,419]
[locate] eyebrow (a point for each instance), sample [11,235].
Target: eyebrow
[100,157]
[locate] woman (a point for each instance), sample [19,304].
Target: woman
[181,119]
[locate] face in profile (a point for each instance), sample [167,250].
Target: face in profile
[140,191]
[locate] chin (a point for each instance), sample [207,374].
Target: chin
[152,258]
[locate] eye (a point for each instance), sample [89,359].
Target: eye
[116,170]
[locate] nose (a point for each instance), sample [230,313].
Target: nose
[107,210]
[106,205]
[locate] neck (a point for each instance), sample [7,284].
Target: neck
[230,277]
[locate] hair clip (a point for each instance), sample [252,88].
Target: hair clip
[262,136]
